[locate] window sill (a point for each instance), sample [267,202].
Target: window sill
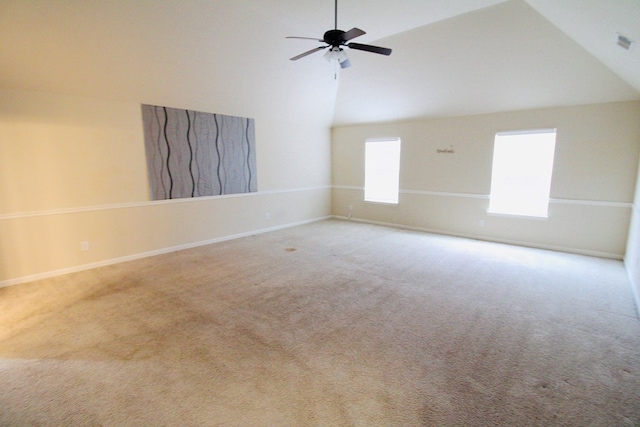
[518,216]
[373,202]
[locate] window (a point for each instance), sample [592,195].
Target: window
[382,170]
[521,175]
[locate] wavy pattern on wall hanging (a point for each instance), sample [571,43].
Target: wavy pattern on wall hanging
[195,154]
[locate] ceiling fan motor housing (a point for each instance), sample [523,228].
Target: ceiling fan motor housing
[334,37]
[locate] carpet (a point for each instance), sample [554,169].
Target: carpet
[333,323]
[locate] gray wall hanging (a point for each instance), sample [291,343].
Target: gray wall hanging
[195,154]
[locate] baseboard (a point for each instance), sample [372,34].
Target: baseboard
[488,239]
[635,289]
[89,266]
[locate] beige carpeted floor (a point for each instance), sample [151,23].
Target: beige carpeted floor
[328,324]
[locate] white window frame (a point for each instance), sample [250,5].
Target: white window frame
[382,170]
[521,173]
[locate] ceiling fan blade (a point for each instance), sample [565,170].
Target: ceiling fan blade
[309,52]
[369,48]
[352,34]
[304,38]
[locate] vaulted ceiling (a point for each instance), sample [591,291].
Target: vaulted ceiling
[449,57]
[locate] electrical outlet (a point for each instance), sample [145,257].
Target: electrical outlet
[267,215]
[481,223]
[84,246]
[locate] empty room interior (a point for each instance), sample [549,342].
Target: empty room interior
[271,212]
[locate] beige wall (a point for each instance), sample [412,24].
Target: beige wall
[63,152]
[592,190]
[73,169]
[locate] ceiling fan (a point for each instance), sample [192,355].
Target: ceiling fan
[335,40]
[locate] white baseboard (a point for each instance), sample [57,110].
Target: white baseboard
[89,266]
[488,239]
[635,288]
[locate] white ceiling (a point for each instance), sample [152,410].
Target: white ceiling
[503,57]
[450,57]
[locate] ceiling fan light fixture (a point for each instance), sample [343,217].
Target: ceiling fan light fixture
[338,54]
